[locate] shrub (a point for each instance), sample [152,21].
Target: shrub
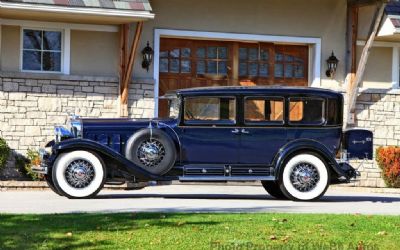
[4,153]
[388,159]
[24,164]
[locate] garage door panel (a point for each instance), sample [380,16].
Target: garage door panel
[188,63]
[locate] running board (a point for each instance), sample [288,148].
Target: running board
[227,178]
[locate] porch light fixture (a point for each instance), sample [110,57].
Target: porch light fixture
[147,53]
[332,65]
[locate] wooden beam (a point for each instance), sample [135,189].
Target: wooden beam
[123,55]
[351,41]
[126,78]
[353,88]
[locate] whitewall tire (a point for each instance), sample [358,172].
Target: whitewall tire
[79,174]
[305,177]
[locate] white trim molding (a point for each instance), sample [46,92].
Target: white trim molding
[313,42]
[65,51]
[395,67]
[57,25]
[138,15]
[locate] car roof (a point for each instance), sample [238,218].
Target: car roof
[274,89]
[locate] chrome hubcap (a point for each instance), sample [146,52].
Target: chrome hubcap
[79,173]
[304,177]
[151,152]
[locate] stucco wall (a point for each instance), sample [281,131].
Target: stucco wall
[10,48]
[378,72]
[94,53]
[308,18]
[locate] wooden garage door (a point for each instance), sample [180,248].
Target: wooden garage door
[195,63]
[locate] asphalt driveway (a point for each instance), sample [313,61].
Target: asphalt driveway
[197,198]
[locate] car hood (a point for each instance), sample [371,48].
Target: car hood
[121,124]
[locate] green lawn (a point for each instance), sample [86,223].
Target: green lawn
[199,231]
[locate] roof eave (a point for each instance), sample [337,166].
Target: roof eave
[135,15]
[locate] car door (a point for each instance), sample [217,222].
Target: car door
[262,131]
[209,132]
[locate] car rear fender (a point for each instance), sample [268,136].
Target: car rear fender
[299,146]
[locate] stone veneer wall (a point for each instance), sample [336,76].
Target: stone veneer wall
[32,104]
[141,99]
[379,111]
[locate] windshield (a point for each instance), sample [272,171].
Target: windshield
[173,107]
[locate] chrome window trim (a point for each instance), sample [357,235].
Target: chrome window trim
[301,124]
[206,123]
[264,123]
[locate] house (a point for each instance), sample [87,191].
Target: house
[85,57]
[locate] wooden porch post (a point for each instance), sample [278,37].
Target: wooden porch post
[351,46]
[353,85]
[126,64]
[123,57]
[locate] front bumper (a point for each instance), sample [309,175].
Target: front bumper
[40,169]
[43,167]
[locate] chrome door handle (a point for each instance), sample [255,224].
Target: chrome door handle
[235,131]
[244,131]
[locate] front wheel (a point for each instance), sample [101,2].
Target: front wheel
[79,174]
[305,177]
[50,183]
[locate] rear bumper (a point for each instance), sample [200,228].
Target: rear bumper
[350,174]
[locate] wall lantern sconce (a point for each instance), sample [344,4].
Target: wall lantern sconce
[147,53]
[332,66]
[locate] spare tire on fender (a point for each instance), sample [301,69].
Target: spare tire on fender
[152,150]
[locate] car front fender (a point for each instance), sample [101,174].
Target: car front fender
[301,145]
[93,146]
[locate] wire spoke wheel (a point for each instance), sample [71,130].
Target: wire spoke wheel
[151,153]
[304,177]
[79,173]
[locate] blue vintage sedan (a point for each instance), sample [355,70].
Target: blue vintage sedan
[288,138]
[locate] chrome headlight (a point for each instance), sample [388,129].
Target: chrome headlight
[75,126]
[62,133]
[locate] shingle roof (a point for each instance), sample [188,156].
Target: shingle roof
[133,5]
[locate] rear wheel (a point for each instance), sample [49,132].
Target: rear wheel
[273,189]
[305,177]
[79,174]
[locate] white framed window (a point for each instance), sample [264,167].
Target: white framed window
[42,50]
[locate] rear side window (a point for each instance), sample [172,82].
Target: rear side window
[263,110]
[334,112]
[210,110]
[306,111]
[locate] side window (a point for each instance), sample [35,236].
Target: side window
[334,112]
[210,110]
[263,110]
[306,111]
